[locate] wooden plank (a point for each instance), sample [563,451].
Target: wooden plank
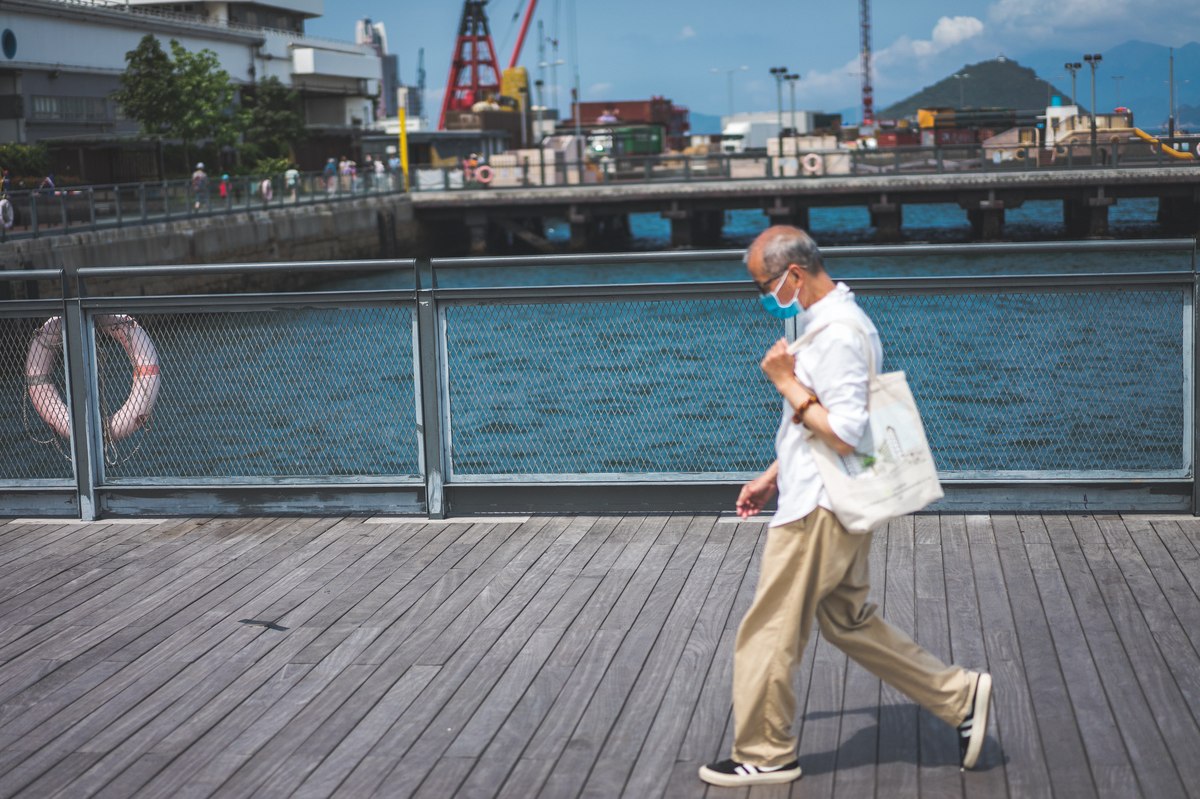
[1112,773]
[430,724]
[898,719]
[859,737]
[939,771]
[680,710]
[1133,720]
[1138,610]
[1015,725]
[1062,747]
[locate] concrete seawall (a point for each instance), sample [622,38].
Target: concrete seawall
[371,227]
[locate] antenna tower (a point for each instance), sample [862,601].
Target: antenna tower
[868,92]
[474,71]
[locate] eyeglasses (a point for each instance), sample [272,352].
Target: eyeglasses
[771,286]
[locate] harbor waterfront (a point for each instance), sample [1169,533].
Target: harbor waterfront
[626,370]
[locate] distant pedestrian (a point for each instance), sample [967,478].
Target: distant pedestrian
[812,568]
[5,182]
[368,171]
[394,170]
[200,187]
[330,173]
[47,184]
[380,175]
[224,187]
[291,179]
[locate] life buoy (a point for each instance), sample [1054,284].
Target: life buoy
[143,393]
[6,213]
[812,164]
[266,190]
[483,174]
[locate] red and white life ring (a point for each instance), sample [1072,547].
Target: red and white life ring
[6,213]
[266,190]
[43,357]
[484,174]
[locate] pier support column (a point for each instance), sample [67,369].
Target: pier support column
[1087,217]
[987,220]
[1179,214]
[477,234]
[787,214]
[886,218]
[581,230]
[691,228]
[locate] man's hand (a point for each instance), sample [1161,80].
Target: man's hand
[779,365]
[756,494]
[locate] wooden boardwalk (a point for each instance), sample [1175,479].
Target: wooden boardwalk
[573,656]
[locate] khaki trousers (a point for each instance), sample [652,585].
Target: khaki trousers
[814,568]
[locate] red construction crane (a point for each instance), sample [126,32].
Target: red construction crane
[474,70]
[868,93]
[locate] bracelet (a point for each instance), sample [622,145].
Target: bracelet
[798,416]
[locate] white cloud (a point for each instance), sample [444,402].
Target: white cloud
[688,32]
[897,63]
[1095,23]
[598,89]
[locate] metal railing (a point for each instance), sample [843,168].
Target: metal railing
[433,390]
[36,213]
[547,170]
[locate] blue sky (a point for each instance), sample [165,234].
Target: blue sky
[631,49]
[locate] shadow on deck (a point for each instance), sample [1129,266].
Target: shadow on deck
[573,656]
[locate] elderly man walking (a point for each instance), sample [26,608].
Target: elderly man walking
[812,568]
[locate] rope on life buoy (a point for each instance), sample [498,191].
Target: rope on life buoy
[42,360]
[7,217]
[812,164]
[483,174]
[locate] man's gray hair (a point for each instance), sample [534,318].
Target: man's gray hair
[791,246]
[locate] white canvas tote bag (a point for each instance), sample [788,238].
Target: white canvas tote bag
[891,473]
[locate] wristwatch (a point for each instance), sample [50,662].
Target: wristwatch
[798,416]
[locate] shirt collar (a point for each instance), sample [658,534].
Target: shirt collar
[840,295]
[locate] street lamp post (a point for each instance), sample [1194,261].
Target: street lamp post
[1093,60]
[729,75]
[777,73]
[1072,67]
[961,77]
[792,79]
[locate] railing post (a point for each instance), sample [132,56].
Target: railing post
[941,166]
[63,211]
[166,190]
[117,200]
[142,201]
[687,169]
[33,217]
[429,370]
[92,205]
[86,438]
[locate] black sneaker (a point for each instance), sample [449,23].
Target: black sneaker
[973,730]
[731,774]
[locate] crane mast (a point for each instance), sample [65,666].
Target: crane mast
[868,92]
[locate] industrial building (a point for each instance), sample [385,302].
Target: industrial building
[62,59]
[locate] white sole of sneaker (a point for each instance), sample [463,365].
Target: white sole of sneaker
[983,706]
[738,780]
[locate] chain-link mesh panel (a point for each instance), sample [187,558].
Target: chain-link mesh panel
[33,448]
[1005,382]
[303,393]
[610,387]
[1073,380]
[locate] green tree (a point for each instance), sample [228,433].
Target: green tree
[184,95]
[274,120]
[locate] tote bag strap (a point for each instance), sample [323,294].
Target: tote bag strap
[811,334]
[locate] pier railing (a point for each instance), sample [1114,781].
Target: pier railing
[512,170]
[519,384]
[54,211]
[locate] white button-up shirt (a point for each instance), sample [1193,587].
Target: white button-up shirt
[834,366]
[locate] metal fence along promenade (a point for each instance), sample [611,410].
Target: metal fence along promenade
[468,386]
[56,211]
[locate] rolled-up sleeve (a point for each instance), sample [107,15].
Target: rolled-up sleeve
[839,374]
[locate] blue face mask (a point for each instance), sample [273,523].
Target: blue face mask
[771,304]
